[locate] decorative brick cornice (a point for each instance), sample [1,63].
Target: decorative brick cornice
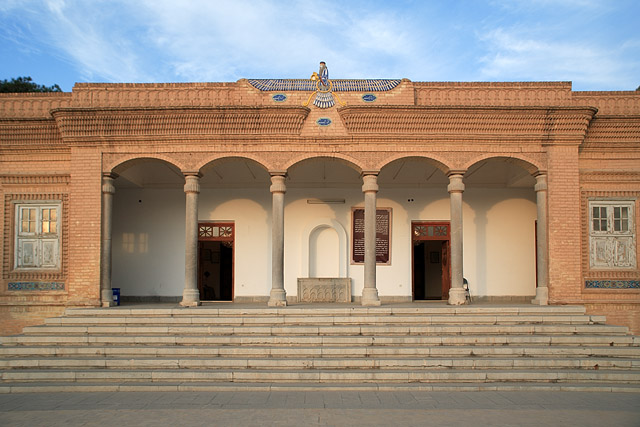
[29,133]
[543,124]
[88,124]
[605,130]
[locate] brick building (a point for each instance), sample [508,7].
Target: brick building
[273,190]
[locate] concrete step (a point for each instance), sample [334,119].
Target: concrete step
[236,310]
[388,329]
[316,320]
[349,346]
[204,386]
[331,376]
[323,340]
[319,351]
[320,363]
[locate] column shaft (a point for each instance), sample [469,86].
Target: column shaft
[191,295]
[542,261]
[278,296]
[370,291]
[457,295]
[108,190]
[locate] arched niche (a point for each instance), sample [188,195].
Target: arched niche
[313,230]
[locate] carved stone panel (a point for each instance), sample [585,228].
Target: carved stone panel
[324,289]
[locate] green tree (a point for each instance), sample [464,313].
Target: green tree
[25,84]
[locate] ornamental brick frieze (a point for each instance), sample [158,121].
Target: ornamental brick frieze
[29,134]
[84,125]
[156,94]
[493,93]
[467,124]
[608,177]
[35,179]
[614,102]
[32,105]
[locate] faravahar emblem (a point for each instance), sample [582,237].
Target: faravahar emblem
[324,96]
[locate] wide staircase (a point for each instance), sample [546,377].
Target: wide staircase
[228,347]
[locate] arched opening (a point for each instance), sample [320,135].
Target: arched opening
[233,240]
[148,231]
[318,206]
[499,229]
[416,189]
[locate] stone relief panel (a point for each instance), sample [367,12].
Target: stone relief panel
[320,289]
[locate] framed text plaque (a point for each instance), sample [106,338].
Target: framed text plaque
[383,236]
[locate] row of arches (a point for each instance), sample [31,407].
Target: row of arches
[149,214]
[529,164]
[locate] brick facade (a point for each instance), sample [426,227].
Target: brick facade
[58,146]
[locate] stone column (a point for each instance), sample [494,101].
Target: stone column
[370,190]
[191,295]
[108,190]
[457,294]
[278,296]
[542,261]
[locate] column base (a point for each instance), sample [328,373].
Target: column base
[190,298]
[370,297]
[457,296]
[107,298]
[542,297]
[278,298]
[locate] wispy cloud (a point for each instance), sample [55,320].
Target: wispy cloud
[514,56]
[207,40]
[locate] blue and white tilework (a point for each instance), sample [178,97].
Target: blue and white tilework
[612,284]
[36,286]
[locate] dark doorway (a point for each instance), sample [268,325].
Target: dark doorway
[430,258]
[215,262]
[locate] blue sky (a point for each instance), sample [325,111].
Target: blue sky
[593,43]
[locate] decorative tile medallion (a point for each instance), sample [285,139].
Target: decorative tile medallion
[36,286]
[369,97]
[612,284]
[323,121]
[279,97]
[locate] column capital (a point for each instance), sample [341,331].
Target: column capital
[277,184]
[370,183]
[107,183]
[541,182]
[455,183]
[192,183]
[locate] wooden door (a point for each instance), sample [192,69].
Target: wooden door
[434,233]
[446,269]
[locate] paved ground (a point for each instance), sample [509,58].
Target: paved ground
[324,408]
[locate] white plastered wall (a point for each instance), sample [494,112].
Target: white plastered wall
[148,237]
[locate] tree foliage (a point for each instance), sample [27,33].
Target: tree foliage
[25,84]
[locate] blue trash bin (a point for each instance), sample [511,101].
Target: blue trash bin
[116,296]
